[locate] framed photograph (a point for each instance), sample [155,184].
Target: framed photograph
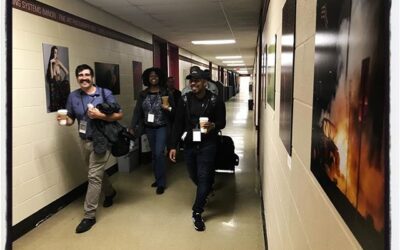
[56,74]
[137,79]
[264,77]
[107,76]
[350,128]
[271,69]
[287,74]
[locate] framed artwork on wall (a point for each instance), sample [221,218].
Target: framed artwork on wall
[350,126]
[107,76]
[264,77]
[137,79]
[56,72]
[271,69]
[287,74]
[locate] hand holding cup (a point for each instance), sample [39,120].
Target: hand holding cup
[165,102]
[203,121]
[62,117]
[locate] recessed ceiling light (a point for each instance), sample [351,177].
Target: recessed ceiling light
[213,42]
[240,61]
[228,57]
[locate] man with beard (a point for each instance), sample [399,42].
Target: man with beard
[81,105]
[199,146]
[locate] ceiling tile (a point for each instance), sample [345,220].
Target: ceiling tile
[181,21]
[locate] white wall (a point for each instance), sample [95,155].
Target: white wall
[298,213]
[214,74]
[46,158]
[184,66]
[183,72]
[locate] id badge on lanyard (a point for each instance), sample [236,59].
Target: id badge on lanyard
[196,135]
[82,126]
[150,117]
[83,123]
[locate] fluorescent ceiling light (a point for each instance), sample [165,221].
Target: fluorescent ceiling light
[241,61]
[213,42]
[235,64]
[228,57]
[287,40]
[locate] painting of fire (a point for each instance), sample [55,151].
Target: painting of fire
[349,156]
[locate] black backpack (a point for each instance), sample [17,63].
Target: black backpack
[116,134]
[226,159]
[121,146]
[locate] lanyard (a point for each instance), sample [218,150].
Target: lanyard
[152,101]
[202,113]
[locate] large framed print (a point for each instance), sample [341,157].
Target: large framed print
[287,74]
[264,77]
[351,114]
[107,76]
[56,72]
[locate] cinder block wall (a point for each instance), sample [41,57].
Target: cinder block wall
[47,162]
[298,213]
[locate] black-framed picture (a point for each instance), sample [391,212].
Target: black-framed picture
[271,72]
[264,77]
[107,76]
[137,79]
[287,74]
[350,128]
[56,72]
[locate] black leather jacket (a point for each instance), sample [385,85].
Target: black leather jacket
[106,133]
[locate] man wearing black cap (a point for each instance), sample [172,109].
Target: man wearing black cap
[199,141]
[211,85]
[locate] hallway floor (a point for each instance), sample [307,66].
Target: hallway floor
[140,219]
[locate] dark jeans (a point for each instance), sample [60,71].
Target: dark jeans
[200,165]
[157,139]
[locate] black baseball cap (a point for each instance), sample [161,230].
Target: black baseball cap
[196,73]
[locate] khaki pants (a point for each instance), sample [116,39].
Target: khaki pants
[97,180]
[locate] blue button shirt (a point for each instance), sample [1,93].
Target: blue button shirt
[77,106]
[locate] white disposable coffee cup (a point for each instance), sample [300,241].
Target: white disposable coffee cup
[63,115]
[203,120]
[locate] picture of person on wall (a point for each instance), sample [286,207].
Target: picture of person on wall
[57,76]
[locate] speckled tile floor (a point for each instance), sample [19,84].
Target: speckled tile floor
[140,219]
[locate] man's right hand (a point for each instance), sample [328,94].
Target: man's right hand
[69,120]
[172,155]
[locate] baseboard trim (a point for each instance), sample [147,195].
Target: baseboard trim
[264,222]
[35,219]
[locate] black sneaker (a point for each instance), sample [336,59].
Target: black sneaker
[108,200]
[160,190]
[154,184]
[85,225]
[198,222]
